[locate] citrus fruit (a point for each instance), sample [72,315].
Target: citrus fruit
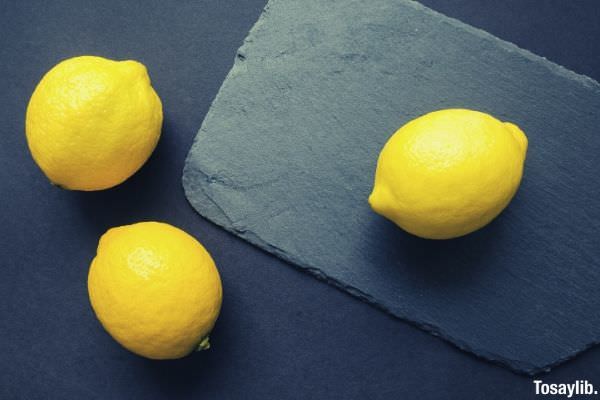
[92,122]
[448,173]
[155,289]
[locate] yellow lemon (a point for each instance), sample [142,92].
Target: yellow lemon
[91,122]
[448,173]
[155,289]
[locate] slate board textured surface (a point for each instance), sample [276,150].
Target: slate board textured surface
[286,155]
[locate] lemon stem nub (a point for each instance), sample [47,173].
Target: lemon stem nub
[204,344]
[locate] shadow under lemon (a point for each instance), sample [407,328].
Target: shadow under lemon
[449,264]
[146,195]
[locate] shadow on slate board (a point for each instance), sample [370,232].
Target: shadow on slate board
[285,159]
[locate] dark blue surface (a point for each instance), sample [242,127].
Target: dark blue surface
[281,334]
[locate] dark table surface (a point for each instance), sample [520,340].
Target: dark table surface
[281,334]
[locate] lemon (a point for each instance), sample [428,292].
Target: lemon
[448,173]
[92,122]
[155,289]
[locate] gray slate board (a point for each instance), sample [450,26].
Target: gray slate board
[286,155]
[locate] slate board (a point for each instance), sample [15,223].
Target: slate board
[286,155]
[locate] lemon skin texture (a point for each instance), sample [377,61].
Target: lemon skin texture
[155,289]
[92,122]
[448,173]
